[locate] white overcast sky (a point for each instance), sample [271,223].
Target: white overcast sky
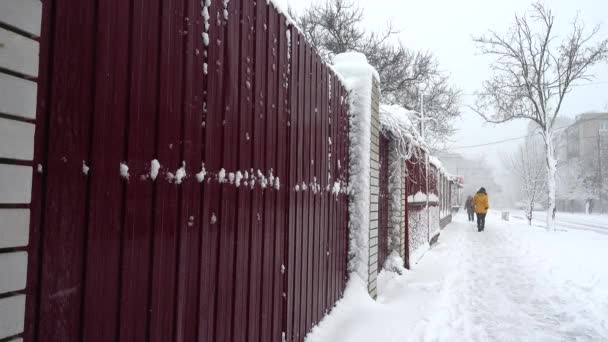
[445,28]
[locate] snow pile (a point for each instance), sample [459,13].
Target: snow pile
[154,168]
[225,2]
[357,77]
[335,190]
[343,316]
[221,176]
[200,176]
[394,264]
[420,197]
[180,174]
[124,171]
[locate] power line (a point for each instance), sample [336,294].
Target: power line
[488,144]
[524,136]
[507,140]
[572,86]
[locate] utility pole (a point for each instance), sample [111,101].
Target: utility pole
[599,169]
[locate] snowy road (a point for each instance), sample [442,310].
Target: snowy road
[508,283]
[595,223]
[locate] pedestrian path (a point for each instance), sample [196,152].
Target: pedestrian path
[507,283]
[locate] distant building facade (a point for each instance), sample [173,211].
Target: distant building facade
[582,152]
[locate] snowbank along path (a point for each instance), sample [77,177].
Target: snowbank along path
[508,283]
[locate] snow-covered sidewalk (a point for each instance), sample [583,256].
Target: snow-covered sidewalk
[508,283]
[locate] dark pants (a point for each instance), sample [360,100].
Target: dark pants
[471,216]
[481,221]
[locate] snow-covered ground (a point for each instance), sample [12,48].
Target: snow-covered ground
[568,221]
[511,282]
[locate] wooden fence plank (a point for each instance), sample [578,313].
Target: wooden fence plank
[288,185]
[190,219]
[214,142]
[281,172]
[69,113]
[106,210]
[166,210]
[228,224]
[332,197]
[323,189]
[317,160]
[307,222]
[259,155]
[245,162]
[140,193]
[269,197]
[300,255]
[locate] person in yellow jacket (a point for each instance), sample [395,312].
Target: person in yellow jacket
[481,204]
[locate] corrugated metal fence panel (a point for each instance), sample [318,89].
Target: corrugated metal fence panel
[433,180]
[230,251]
[383,202]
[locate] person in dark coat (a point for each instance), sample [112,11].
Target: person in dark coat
[469,207]
[481,203]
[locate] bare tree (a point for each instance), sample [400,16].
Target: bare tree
[336,26]
[529,167]
[583,181]
[577,181]
[533,74]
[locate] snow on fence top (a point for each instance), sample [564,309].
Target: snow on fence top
[439,165]
[420,197]
[282,8]
[395,121]
[357,76]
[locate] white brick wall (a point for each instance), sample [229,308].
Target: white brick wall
[374,189]
[403,219]
[19,55]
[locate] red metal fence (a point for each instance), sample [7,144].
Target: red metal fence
[383,201]
[416,174]
[239,94]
